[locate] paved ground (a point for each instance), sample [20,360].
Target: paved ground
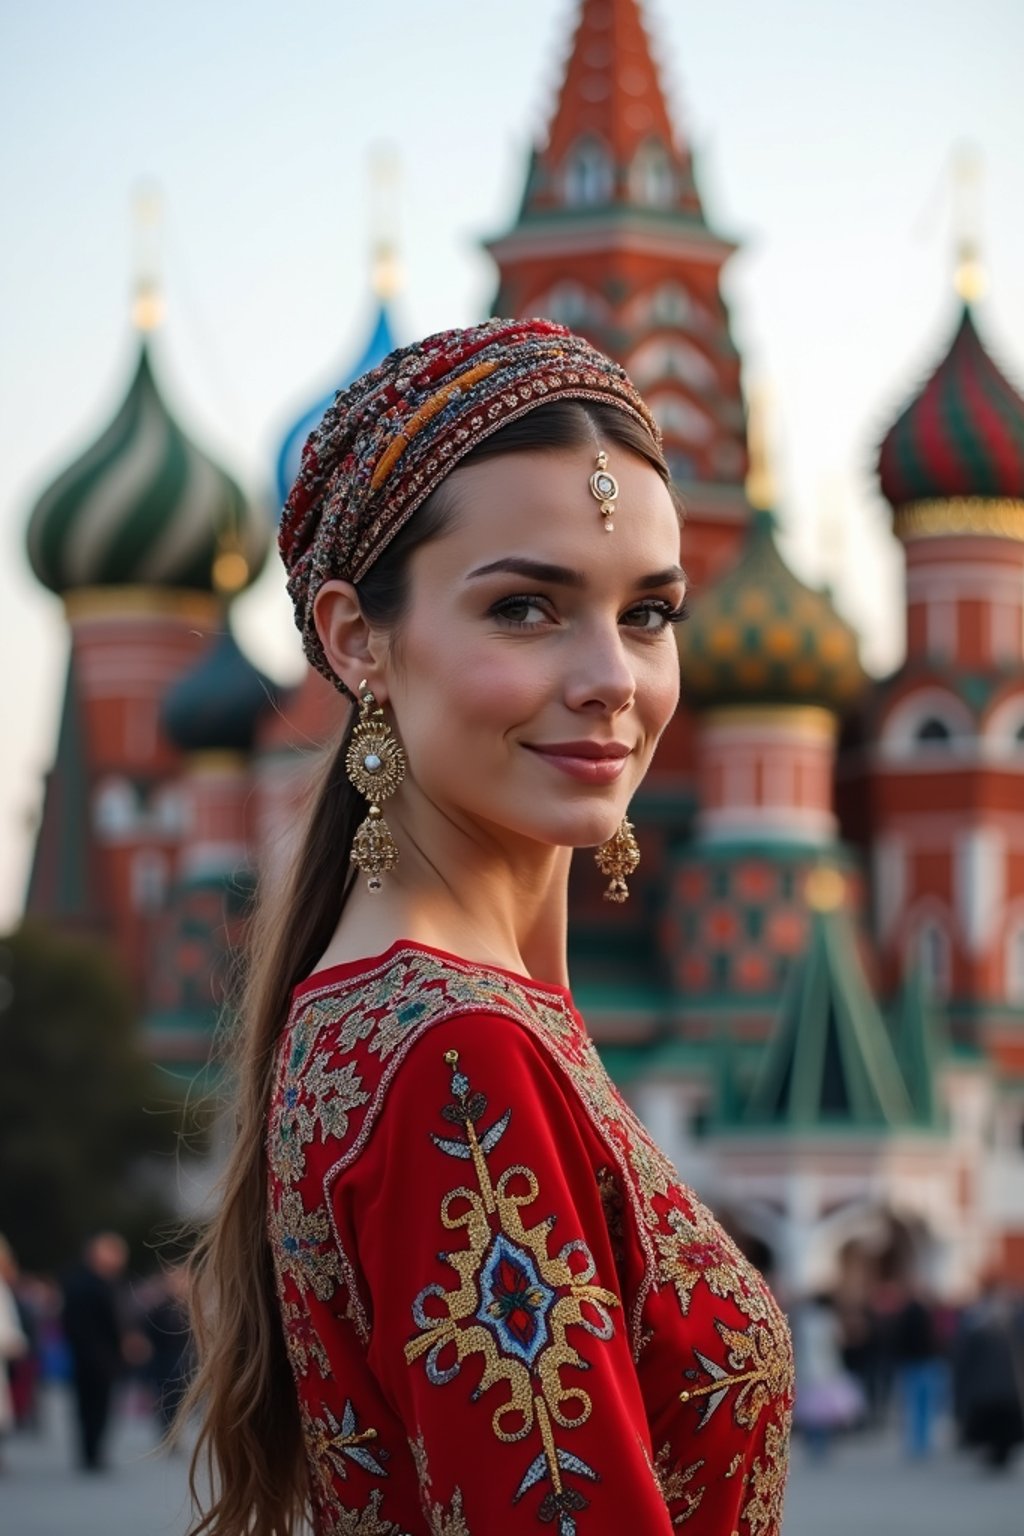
[864,1489]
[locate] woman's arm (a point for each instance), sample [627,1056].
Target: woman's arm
[498,1331]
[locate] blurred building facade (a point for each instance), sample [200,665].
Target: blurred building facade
[815,996]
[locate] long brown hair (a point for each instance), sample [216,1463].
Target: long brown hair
[248,1467]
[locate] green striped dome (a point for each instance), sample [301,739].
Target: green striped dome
[759,636]
[141,507]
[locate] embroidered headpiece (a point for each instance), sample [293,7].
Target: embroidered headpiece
[392,436]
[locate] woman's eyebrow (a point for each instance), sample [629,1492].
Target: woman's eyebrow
[564,576]
[536,570]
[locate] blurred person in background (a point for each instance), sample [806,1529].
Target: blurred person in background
[23,1367]
[988,1374]
[166,1328]
[828,1397]
[94,1333]
[920,1369]
[13,1340]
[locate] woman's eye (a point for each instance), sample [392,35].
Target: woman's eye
[523,611]
[654,616]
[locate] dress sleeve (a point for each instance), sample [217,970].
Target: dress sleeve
[498,1331]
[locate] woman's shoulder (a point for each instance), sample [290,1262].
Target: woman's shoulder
[360,1034]
[381,1002]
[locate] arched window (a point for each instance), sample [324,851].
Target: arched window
[1015,962]
[571,304]
[933,956]
[116,808]
[660,359]
[928,721]
[651,177]
[149,880]
[933,730]
[671,305]
[678,418]
[588,177]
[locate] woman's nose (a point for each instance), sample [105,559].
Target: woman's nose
[601,675]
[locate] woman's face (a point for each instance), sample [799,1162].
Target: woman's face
[535,667]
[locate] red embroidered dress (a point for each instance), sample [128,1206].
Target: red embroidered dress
[503,1311]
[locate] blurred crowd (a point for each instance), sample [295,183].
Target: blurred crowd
[896,1357]
[901,1355]
[95,1332]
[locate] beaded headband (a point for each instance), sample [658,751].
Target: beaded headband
[391,437]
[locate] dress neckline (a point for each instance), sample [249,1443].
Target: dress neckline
[350,970]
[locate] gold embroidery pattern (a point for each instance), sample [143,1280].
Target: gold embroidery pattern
[305,1347]
[367,1521]
[513,1304]
[757,1362]
[330,1447]
[390,1008]
[303,1246]
[442,1522]
[767,1482]
[673,1485]
[313,1098]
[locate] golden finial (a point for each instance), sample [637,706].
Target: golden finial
[148,302]
[760,481]
[384,182]
[230,567]
[971,279]
[825,889]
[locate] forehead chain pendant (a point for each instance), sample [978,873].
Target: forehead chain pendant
[605,489]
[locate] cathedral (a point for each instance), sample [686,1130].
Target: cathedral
[815,996]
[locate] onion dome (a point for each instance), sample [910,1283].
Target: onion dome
[381,342]
[759,636]
[961,439]
[142,506]
[218,704]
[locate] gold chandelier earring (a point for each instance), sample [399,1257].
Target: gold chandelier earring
[376,767]
[617,858]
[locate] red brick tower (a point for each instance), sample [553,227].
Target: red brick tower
[947,731]
[611,239]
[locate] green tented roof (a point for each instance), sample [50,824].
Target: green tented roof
[830,1063]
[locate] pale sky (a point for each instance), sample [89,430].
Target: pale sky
[824,135]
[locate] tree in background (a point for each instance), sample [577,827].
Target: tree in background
[87,1127]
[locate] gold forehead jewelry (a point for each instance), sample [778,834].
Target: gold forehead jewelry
[604,488]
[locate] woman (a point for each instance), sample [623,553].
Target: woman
[481,1300]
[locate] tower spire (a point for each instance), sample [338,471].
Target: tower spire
[148,300]
[384,178]
[970,279]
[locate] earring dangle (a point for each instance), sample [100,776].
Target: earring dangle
[617,858]
[376,767]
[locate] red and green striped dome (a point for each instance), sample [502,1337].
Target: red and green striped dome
[962,436]
[142,506]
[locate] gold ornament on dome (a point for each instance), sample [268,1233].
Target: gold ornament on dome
[825,890]
[999,517]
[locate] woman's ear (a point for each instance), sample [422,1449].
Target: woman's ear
[351,648]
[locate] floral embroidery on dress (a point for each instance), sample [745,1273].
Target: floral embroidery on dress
[767,1482]
[505,1304]
[673,1481]
[757,1362]
[305,1346]
[303,1246]
[513,1304]
[442,1522]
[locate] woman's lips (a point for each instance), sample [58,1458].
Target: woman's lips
[590,762]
